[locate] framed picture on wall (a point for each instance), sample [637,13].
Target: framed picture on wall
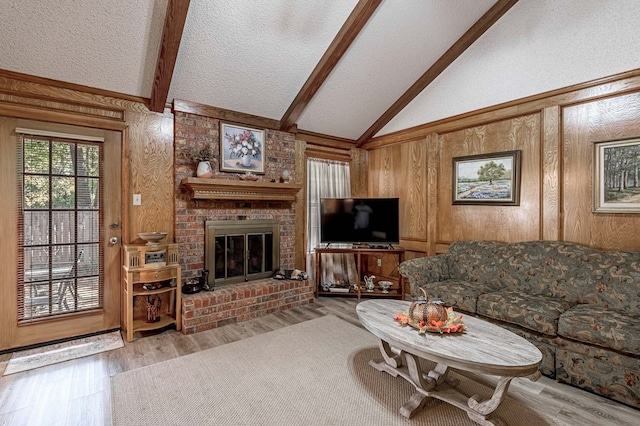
[241,149]
[616,176]
[487,179]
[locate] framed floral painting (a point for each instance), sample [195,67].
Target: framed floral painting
[241,149]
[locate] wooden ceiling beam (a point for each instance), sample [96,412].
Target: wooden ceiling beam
[319,139]
[174,22]
[345,37]
[227,115]
[480,27]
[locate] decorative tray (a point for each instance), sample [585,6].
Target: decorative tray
[453,324]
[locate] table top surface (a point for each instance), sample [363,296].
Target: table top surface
[483,348]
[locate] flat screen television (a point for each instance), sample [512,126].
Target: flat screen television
[373,221]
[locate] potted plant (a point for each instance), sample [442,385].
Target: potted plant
[204,169]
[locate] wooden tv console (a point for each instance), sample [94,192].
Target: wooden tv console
[383,259]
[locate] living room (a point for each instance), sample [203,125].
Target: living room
[545,79]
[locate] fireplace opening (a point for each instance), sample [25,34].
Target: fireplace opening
[241,250]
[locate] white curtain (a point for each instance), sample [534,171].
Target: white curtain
[327,179]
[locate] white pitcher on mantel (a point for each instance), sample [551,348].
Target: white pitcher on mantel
[204,169]
[369,284]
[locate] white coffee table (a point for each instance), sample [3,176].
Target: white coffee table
[484,348]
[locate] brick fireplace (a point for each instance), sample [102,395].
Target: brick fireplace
[241,250]
[239,301]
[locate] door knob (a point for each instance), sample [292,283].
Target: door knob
[113,241]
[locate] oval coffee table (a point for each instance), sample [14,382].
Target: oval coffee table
[484,348]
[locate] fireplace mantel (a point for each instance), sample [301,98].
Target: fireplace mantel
[241,190]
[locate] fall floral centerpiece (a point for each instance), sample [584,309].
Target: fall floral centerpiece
[453,323]
[431,316]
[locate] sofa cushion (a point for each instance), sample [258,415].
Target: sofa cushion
[545,268]
[476,261]
[531,311]
[421,271]
[462,295]
[603,327]
[614,280]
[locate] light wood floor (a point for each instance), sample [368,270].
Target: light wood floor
[77,392]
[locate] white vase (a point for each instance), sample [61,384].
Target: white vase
[204,170]
[246,160]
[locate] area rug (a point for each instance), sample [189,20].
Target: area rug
[65,351]
[312,373]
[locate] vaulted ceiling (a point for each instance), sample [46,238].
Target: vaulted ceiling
[342,68]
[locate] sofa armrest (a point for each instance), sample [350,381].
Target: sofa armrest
[422,270]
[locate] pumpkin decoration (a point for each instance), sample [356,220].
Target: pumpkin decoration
[427,310]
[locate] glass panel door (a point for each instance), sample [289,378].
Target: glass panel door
[60,228]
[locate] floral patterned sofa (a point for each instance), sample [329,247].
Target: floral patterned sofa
[580,306]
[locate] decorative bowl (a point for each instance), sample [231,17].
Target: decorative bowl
[386,285]
[152,238]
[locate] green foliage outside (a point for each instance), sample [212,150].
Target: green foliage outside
[55,173]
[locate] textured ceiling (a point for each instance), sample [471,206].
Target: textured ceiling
[111,45]
[242,55]
[255,56]
[400,42]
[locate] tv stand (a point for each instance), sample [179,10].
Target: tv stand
[380,260]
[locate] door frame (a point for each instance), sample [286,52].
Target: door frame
[13,335]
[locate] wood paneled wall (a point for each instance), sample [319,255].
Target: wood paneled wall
[149,172]
[400,171]
[603,119]
[501,223]
[555,132]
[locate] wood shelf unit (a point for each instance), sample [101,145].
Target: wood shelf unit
[168,274]
[241,190]
[362,255]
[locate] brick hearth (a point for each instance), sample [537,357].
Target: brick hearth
[241,302]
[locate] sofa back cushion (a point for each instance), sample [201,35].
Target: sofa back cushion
[571,272]
[477,262]
[614,280]
[548,268]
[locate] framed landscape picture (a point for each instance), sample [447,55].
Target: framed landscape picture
[487,179]
[616,176]
[241,149]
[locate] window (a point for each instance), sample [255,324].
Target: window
[60,218]
[327,179]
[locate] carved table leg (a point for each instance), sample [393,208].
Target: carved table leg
[480,410]
[392,359]
[422,382]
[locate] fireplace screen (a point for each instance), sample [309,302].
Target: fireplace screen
[241,250]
